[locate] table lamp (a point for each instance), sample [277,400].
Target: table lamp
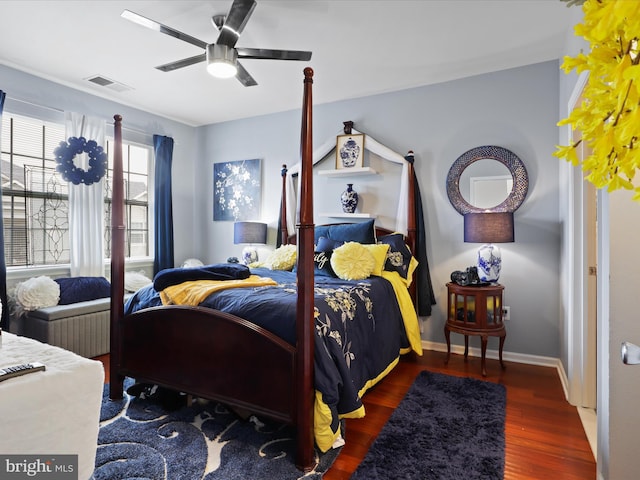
[249,233]
[489,228]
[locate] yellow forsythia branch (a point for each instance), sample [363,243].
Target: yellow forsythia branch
[608,118]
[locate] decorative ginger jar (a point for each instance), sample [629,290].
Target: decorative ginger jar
[349,199]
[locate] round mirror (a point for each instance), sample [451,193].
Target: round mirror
[486,183]
[487,178]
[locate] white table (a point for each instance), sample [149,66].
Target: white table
[52,412]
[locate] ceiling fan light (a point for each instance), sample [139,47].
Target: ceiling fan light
[221,61]
[221,69]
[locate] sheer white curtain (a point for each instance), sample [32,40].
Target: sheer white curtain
[86,203]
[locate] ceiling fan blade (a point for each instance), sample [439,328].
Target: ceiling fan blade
[264,53]
[235,22]
[185,62]
[158,27]
[244,77]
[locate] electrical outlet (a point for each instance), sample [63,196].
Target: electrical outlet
[506,313]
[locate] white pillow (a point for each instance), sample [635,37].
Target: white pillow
[38,292]
[134,281]
[192,262]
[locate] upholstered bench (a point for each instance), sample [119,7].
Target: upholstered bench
[79,321]
[83,327]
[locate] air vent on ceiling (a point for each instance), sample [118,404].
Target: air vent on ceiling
[108,83]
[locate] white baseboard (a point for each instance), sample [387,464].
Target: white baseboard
[507,356]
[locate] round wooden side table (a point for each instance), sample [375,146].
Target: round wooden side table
[475,310]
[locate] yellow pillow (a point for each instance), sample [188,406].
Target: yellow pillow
[282,258]
[379,252]
[352,261]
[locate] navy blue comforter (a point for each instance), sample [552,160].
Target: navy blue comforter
[359,328]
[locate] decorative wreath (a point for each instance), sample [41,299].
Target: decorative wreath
[66,152]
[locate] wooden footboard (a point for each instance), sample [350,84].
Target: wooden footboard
[212,355]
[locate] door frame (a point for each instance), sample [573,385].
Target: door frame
[581,348]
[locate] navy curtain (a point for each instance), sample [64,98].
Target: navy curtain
[426,297]
[4,321]
[163,214]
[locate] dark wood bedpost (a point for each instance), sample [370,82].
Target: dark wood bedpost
[305,306]
[411,223]
[117,263]
[284,232]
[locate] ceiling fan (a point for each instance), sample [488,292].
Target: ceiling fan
[222,56]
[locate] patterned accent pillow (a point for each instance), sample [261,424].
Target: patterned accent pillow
[352,261]
[399,257]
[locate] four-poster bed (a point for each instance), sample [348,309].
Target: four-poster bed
[213,354]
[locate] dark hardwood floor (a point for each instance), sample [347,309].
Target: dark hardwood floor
[544,435]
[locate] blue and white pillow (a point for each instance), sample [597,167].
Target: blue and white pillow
[399,257]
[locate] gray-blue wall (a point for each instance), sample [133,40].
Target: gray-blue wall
[516,109]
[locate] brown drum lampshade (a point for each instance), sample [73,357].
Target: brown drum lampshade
[489,227]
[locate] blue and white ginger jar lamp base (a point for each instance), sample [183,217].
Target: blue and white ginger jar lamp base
[489,263]
[249,255]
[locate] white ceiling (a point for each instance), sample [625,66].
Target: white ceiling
[359,48]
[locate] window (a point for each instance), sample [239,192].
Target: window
[35,197]
[136,161]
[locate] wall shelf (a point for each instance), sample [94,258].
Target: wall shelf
[348,215]
[344,172]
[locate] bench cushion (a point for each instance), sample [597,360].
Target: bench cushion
[72,310]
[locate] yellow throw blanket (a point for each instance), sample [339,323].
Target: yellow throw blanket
[195,292]
[408,309]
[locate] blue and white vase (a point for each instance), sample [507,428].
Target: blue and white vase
[349,199]
[489,263]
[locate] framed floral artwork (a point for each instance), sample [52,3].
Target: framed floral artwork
[237,190]
[349,151]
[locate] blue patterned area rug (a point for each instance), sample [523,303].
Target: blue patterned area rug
[445,428]
[141,437]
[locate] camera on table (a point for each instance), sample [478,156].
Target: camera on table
[468,277]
